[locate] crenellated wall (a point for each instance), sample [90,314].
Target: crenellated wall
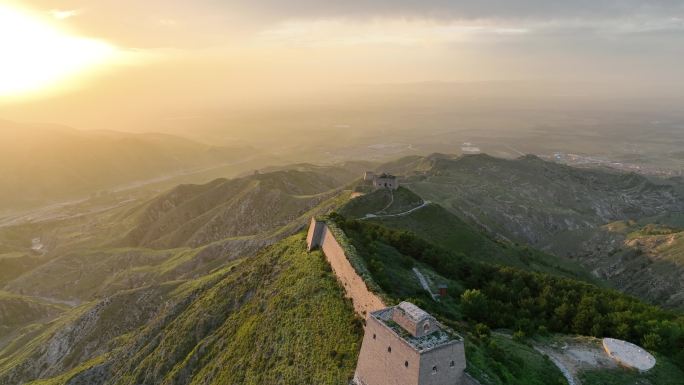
[365,301]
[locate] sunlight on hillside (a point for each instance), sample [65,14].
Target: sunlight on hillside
[37,56]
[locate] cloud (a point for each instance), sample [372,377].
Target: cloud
[394,31]
[477,9]
[64,14]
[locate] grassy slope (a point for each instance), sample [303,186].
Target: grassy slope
[194,215]
[654,252]
[506,362]
[17,311]
[663,373]
[14,264]
[545,204]
[277,318]
[501,362]
[382,202]
[437,225]
[90,264]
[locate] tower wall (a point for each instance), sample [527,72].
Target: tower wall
[417,329]
[441,358]
[378,366]
[313,237]
[390,183]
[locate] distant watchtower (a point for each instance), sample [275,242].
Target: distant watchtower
[404,345]
[383,180]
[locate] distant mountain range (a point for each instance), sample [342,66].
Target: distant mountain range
[211,283]
[42,164]
[560,210]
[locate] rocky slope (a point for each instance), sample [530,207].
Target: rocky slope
[17,311]
[643,259]
[193,215]
[558,209]
[443,228]
[181,234]
[547,205]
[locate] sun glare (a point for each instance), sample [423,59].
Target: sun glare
[36,56]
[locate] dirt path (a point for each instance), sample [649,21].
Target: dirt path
[572,380]
[424,283]
[389,204]
[573,355]
[371,216]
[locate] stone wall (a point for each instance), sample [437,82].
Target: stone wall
[364,300]
[443,365]
[385,359]
[419,329]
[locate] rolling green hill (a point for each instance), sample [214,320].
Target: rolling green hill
[445,229]
[277,318]
[547,205]
[17,311]
[557,209]
[181,234]
[206,284]
[483,296]
[193,215]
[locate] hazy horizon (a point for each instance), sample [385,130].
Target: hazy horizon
[141,67]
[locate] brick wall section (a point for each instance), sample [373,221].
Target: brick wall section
[364,300]
[441,358]
[403,365]
[377,365]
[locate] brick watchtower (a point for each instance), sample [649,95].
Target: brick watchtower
[404,345]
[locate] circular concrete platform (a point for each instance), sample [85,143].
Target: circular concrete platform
[628,354]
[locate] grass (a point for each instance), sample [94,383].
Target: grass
[492,361]
[437,225]
[277,318]
[18,310]
[664,373]
[498,360]
[382,202]
[68,376]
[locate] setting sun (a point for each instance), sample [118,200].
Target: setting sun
[37,55]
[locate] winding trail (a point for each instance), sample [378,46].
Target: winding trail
[389,204]
[424,283]
[372,216]
[566,372]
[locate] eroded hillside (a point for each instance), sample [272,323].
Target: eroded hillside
[277,318]
[193,215]
[558,209]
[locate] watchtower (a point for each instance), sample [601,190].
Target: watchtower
[385,180]
[404,345]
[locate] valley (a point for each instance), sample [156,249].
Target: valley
[175,286]
[342,193]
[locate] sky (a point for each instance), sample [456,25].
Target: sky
[118,63]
